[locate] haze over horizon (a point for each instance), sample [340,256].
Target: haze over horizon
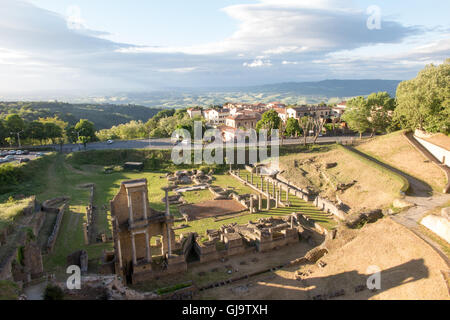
[81,47]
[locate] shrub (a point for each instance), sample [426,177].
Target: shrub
[53,292]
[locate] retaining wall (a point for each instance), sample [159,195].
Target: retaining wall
[440,153]
[330,207]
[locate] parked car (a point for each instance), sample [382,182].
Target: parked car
[19,152]
[23,160]
[110,141]
[40,154]
[3,160]
[12,152]
[10,158]
[25,152]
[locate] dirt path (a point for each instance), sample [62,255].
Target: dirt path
[424,200]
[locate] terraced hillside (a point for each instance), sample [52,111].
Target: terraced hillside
[338,174]
[395,150]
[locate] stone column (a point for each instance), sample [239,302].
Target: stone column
[273,187]
[119,248]
[144,202]
[251,177]
[276,198]
[85,232]
[169,240]
[147,246]
[167,202]
[259,202]
[268,187]
[292,222]
[268,201]
[246,178]
[130,207]
[262,183]
[287,194]
[251,204]
[133,249]
[238,172]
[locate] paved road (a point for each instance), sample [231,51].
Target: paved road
[166,143]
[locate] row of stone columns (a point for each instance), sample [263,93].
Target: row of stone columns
[275,194]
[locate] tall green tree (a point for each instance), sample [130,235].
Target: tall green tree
[3,132]
[86,131]
[15,126]
[424,102]
[357,115]
[52,131]
[381,107]
[35,131]
[269,121]
[292,127]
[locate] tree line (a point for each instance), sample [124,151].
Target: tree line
[16,131]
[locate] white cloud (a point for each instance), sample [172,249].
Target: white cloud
[74,19]
[258,63]
[316,39]
[178,70]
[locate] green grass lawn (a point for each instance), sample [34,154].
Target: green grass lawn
[297,205]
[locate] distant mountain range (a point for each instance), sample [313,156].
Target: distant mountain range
[331,88]
[329,91]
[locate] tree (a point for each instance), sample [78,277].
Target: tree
[292,127]
[305,123]
[269,120]
[424,102]
[52,131]
[16,126]
[3,132]
[357,115]
[317,124]
[71,134]
[36,131]
[381,107]
[86,131]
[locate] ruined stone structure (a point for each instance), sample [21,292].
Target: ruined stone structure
[134,224]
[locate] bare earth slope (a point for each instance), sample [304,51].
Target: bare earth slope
[395,150]
[373,188]
[410,269]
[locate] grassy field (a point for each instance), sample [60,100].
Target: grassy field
[11,210]
[372,188]
[395,150]
[61,176]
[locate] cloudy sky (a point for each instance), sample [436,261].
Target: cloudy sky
[101,46]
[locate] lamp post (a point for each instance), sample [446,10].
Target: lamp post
[18,136]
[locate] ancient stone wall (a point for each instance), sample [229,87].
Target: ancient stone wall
[330,207]
[54,235]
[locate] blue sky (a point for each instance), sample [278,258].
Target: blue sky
[102,46]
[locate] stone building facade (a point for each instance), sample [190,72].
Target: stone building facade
[134,224]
